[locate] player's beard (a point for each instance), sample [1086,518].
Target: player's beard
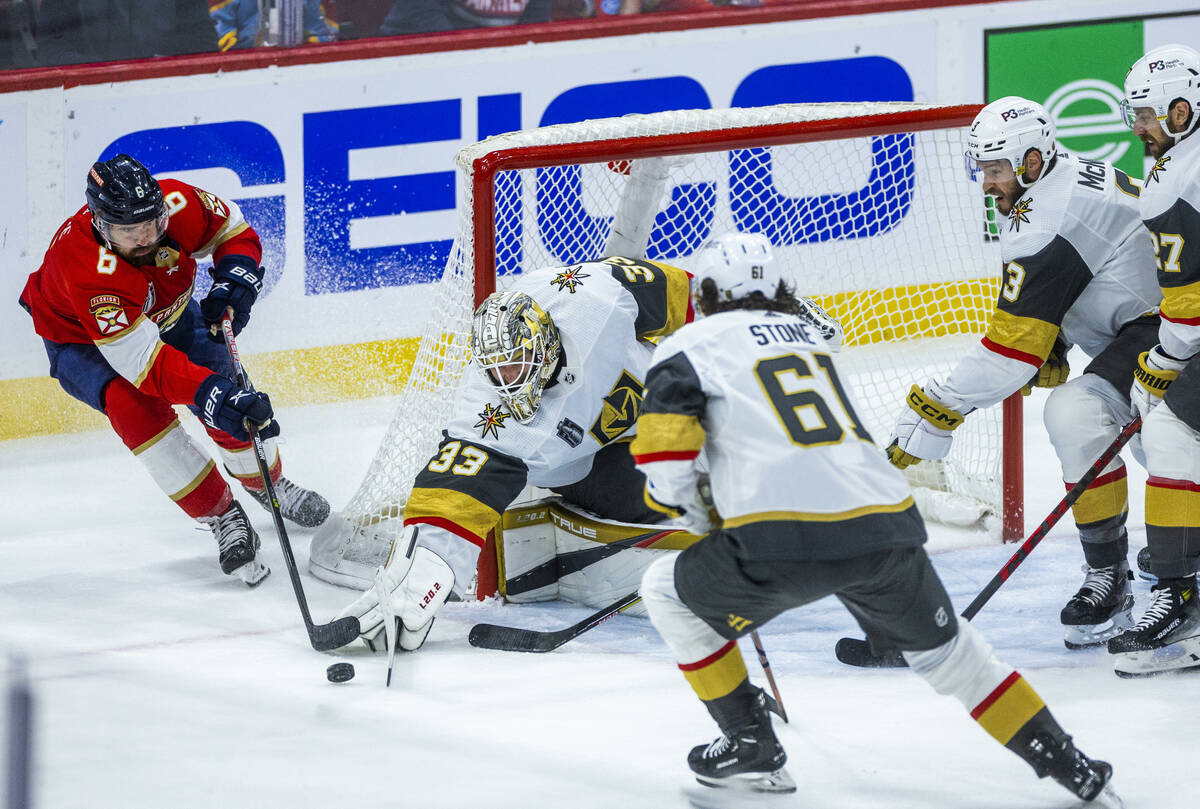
[1007,197]
[142,256]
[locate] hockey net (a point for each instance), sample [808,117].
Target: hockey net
[870,215]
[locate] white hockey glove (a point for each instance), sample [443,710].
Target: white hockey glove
[696,512]
[1155,372]
[418,585]
[825,323]
[924,429]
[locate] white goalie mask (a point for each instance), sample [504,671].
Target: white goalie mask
[739,264]
[1157,80]
[517,346]
[1007,129]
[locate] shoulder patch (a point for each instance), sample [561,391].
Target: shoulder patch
[491,420]
[620,409]
[1019,214]
[213,203]
[1160,165]
[570,432]
[570,278]
[110,316]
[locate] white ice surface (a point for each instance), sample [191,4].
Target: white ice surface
[160,682]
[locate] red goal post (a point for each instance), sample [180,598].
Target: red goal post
[868,208]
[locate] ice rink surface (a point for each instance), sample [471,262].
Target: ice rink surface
[160,682]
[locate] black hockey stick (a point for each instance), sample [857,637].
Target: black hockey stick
[323,637]
[855,652]
[515,639]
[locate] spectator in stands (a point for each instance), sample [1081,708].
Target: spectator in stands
[74,31]
[425,16]
[237,23]
[17,45]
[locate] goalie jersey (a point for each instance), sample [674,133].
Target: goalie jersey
[606,312]
[1171,212]
[1077,268]
[758,392]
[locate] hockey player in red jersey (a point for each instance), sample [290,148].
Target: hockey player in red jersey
[113,304]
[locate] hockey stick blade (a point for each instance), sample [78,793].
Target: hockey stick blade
[516,639]
[333,635]
[855,652]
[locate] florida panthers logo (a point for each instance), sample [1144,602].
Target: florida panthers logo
[620,409]
[491,420]
[1019,214]
[1159,165]
[569,279]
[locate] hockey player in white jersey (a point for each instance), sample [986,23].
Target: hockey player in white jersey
[557,365]
[1162,105]
[1078,271]
[810,508]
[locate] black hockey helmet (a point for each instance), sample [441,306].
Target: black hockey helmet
[121,191]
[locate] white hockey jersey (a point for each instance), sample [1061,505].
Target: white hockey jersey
[1170,208]
[1076,261]
[761,395]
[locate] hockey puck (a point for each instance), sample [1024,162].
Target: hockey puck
[340,673]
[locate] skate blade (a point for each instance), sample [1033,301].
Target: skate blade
[771,782]
[1108,799]
[1084,636]
[252,573]
[1175,657]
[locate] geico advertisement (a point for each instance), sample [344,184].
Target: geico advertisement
[350,179]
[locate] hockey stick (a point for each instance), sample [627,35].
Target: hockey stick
[766,667]
[323,637]
[573,561]
[515,639]
[855,652]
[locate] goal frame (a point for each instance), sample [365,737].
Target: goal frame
[485,169]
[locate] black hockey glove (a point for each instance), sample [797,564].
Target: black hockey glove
[223,406]
[236,284]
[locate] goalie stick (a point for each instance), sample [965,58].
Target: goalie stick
[516,639]
[323,637]
[856,652]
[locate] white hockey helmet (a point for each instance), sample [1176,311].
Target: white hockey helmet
[1007,129]
[739,264]
[1158,79]
[517,346]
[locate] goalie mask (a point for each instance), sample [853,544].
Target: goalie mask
[517,346]
[1158,80]
[739,264]
[1006,130]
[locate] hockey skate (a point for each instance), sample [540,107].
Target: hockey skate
[302,506]
[237,542]
[1143,565]
[1053,754]
[1166,637]
[1101,609]
[748,758]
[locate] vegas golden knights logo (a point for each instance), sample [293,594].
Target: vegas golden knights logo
[1019,214]
[620,410]
[1159,165]
[737,623]
[491,420]
[569,279]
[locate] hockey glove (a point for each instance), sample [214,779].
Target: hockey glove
[1155,372]
[223,406]
[1054,370]
[825,323]
[237,280]
[923,431]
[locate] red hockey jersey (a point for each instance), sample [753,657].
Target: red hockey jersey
[86,293]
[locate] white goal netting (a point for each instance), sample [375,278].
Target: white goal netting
[866,205]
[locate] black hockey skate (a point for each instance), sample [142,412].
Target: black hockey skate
[1166,637]
[1054,754]
[238,543]
[749,757]
[302,506]
[1101,609]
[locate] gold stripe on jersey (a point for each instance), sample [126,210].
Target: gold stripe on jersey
[196,481]
[667,432]
[148,443]
[718,674]
[447,505]
[141,377]
[1181,303]
[1008,708]
[1025,336]
[813,516]
[225,233]
[679,299]
[1172,503]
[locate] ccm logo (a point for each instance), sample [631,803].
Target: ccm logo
[932,413]
[437,585]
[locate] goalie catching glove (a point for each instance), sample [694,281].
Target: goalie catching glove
[417,583]
[924,430]
[1155,372]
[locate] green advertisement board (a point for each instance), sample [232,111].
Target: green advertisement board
[1076,71]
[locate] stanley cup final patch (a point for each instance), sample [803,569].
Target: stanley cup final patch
[109,314]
